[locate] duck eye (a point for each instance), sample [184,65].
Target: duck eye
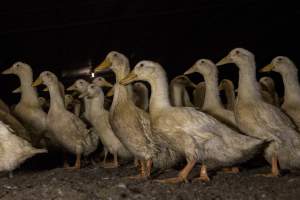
[142,65]
[237,52]
[279,59]
[115,55]
[92,87]
[202,62]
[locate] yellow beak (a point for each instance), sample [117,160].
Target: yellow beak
[8,71]
[103,66]
[37,82]
[110,92]
[225,60]
[267,68]
[45,89]
[128,79]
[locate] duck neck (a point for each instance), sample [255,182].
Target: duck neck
[212,99]
[121,72]
[96,107]
[248,86]
[291,87]
[159,98]
[177,94]
[56,99]
[230,96]
[28,93]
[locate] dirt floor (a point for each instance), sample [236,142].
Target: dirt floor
[32,182]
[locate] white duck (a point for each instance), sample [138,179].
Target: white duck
[289,72]
[14,150]
[99,117]
[212,102]
[68,130]
[199,95]
[259,119]
[194,134]
[28,110]
[132,124]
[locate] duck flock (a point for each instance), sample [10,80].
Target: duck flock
[159,129]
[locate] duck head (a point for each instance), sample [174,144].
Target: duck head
[280,64]
[79,85]
[18,68]
[239,56]
[102,82]
[203,66]
[47,78]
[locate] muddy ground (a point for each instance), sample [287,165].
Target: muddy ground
[42,178]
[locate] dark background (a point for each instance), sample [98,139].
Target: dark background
[61,35]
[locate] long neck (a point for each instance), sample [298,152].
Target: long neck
[248,86]
[28,93]
[159,94]
[121,72]
[177,94]
[291,87]
[212,99]
[96,105]
[56,99]
[230,96]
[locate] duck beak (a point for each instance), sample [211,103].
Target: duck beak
[189,71]
[267,68]
[105,83]
[8,71]
[110,92]
[37,82]
[225,60]
[45,89]
[17,90]
[103,66]
[71,88]
[128,79]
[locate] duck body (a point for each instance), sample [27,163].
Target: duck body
[262,120]
[67,129]
[193,134]
[212,102]
[100,120]
[13,149]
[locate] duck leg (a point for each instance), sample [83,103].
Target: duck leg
[113,164]
[183,174]
[148,167]
[203,174]
[77,163]
[105,156]
[143,172]
[232,170]
[275,172]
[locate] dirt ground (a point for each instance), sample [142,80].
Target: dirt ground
[33,181]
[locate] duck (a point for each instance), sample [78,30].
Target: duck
[262,120]
[268,90]
[132,124]
[289,72]
[28,110]
[178,92]
[199,95]
[103,83]
[99,117]
[194,134]
[68,129]
[212,102]
[72,104]
[80,86]
[140,95]
[228,87]
[14,150]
